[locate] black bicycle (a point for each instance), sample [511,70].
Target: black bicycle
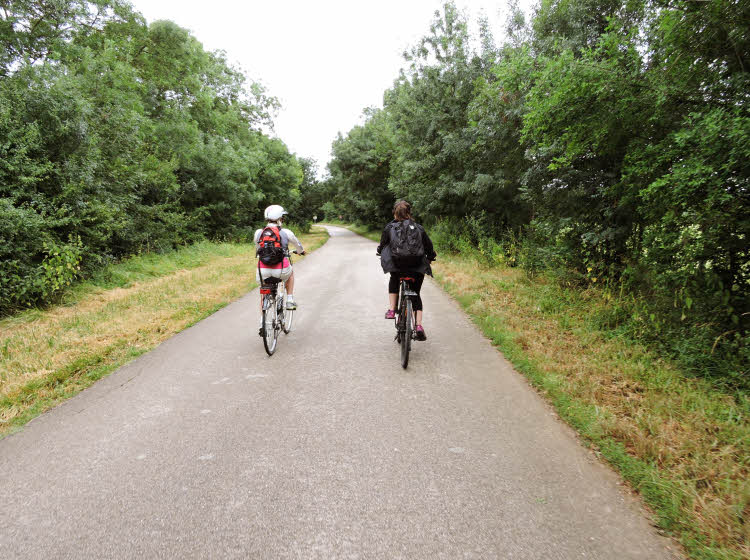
[406,321]
[276,317]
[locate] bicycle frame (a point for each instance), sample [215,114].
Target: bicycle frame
[406,325]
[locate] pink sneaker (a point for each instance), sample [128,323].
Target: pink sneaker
[420,333]
[390,314]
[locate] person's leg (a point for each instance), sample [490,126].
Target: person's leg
[290,285]
[291,304]
[393,286]
[260,304]
[417,286]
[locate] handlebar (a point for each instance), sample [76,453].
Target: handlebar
[295,252]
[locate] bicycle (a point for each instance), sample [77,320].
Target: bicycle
[276,317]
[406,321]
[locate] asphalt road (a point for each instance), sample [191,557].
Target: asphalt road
[205,447]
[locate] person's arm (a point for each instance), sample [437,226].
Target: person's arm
[293,239]
[256,238]
[429,250]
[384,239]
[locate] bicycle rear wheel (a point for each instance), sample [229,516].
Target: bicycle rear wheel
[270,332]
[406,335]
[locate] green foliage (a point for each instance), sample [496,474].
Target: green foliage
[22,237]
[60,266]
[457,150]
[125,137]
[358,185]
[468,237]
[606,142]
[311,196]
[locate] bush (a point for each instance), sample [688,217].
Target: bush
[299,226]
[60,267]
[22,239]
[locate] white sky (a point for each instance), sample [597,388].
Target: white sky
[325,60]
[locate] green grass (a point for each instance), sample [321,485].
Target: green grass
[42,394]
[49,355]
[153,265]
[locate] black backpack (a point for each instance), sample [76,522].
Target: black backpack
[406,244]
[271,250]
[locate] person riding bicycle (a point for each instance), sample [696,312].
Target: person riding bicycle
[274,234]
[405,247]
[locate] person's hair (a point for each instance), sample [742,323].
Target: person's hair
[402,211]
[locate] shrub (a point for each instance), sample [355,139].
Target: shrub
[60,267]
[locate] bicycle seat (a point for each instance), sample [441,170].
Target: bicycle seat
[271,281]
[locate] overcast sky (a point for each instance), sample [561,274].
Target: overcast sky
[325,60]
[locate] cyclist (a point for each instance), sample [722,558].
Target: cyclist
[417,269]
[274,215]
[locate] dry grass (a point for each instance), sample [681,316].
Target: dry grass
[694,439]
[46,356]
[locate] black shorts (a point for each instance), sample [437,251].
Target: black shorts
[395,281]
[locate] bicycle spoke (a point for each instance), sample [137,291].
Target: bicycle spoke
[270,332]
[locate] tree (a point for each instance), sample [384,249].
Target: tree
[360,170]
[117,137]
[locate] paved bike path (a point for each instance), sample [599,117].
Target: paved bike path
[205,447]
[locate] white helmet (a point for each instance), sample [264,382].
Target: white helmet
[274,212]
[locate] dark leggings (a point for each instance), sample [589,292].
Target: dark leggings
[395,281]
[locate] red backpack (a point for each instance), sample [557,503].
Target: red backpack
[271,250]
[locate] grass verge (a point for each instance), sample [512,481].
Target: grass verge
[680,442]
[49,355]
[684,446]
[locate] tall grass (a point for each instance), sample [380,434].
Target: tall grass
[670,323]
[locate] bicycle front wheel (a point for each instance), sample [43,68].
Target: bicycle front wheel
[406,335]
[287,315]
[270,333]
[288,318]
